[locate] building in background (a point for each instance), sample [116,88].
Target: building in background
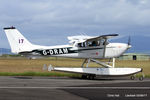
[134,56]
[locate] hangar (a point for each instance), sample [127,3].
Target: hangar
[134,56]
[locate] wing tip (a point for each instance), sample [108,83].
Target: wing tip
[111,35]
[6,28]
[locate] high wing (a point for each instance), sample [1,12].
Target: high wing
[82,38]
[91,41]
[102,37]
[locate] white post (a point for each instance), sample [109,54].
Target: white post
[113,65]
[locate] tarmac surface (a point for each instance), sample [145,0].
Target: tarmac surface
[63,88]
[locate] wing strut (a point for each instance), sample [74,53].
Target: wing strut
[98,62]
[101,63]
[87,65]
[83,63]
[104,47]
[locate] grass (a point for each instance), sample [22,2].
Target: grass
[53,74]
[16,66]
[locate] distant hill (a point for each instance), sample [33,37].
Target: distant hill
[5,51]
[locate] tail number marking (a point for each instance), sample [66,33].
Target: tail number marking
[21,41]
[55,51]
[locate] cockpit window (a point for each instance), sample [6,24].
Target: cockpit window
[93,43]
[100,42]
[82,44]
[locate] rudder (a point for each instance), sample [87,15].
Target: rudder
[17,41]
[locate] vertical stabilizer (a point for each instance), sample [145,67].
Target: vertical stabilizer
[17,41]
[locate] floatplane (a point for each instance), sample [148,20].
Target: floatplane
[86,47]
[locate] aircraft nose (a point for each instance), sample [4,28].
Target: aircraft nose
[129,46]
[118,49]
[126,46]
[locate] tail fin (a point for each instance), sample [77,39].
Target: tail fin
[17,41]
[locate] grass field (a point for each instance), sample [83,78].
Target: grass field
[25,67]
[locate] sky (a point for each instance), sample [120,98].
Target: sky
[49,22]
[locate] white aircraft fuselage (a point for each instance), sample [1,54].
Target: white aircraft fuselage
[80,46]
[112,50]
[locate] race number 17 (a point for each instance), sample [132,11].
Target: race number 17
[21,40]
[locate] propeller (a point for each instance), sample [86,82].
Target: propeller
[129,42]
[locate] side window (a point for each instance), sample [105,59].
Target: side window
[93,43]
[89,43]
[102,42]
[79,45]
[82,44]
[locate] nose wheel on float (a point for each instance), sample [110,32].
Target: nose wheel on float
[141,77]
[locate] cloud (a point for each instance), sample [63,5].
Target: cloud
[61,18]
